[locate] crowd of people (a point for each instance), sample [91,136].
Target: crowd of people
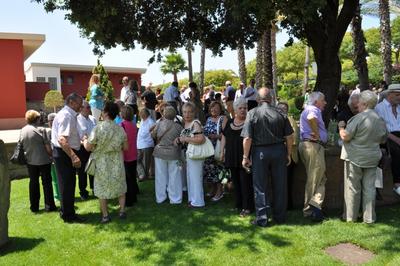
[188,142]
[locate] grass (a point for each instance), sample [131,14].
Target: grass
[175,235]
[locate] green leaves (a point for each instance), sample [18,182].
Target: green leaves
[173,64]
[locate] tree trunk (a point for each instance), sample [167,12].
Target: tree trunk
[5,186]
[396,56]
[360,53]
[274,30]
[259,63]
[242,63]
[306,69]
[202,65]
[175,76]
[267,58]
[189,49]
[386,39]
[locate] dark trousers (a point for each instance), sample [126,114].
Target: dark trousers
[66,183]
[83,155]
[394,150]
[34,172]
[132,188]
[290,180]
[243,188]
[270,161]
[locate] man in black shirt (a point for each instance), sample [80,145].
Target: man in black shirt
[270,136]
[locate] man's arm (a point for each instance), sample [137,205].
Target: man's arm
[313,122]
[63,141]
[289,146]
[246,151]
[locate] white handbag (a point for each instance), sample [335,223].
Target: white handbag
[200,151]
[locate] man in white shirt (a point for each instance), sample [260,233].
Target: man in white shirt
[86,123]
[125,88]
[185,94]
[240,92]
[389,111]
[66,143]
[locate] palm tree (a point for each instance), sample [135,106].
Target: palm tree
[173,64]
[259,63]
[202,66]
[274,30]
[306,69]
[360,53]
[242,63]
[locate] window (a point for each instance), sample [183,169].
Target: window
[40,79]
[70,80]
[53,83]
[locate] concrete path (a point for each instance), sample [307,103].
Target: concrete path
[10,136]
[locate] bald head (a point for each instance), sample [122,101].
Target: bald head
[264,95]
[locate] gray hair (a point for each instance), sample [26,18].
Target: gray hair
[169,112]
[369,99]
[314,97]
[264,95]
[73,97]
[239,102]
[354,96]
[190,105]
[51,116]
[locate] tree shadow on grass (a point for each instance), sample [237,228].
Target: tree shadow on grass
[18,244]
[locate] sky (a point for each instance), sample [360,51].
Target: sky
[64,44]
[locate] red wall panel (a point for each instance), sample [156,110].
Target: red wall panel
[35,91]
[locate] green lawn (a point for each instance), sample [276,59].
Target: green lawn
[175,235]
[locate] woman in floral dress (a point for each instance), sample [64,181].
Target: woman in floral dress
[107,141]
[212,167]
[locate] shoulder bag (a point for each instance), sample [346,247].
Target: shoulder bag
[217,151]
[200,151]
[18,156]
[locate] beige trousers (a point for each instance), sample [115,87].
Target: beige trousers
[313,157]
[359,185]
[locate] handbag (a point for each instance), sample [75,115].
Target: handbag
[18,156]
[200,151]
[90,166]
[217,150]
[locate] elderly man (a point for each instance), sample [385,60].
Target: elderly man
[313,136]
[350,110]
[86,123]
[250,95]
[124,89]
[229,96]
[66,144]
[361,153]
[269,135]
[171,95]
[389,110]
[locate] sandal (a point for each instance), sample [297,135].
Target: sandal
[122,215]
[105,219]
[244,213]
[217,198]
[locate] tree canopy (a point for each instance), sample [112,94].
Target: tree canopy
[173,64]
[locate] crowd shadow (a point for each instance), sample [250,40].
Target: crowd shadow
[18,244]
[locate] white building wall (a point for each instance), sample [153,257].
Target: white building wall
[44,71]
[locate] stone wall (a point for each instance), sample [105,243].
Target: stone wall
[4,194]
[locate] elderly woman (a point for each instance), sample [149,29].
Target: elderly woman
[361,153]
[37,152]
[130,155]
[96,96]
[232,154]
[107,141]
[212,167]
[167,156]
[193,134]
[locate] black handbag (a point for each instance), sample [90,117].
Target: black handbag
[18,156]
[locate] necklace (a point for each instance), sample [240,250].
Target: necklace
[240,125]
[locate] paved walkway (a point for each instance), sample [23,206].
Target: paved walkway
[10,136]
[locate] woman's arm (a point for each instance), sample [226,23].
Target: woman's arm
[198,138]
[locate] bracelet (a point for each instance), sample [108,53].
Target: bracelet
[245,157]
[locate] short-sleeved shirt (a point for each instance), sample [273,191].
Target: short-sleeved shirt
[366,131]
[131,132]
[85,125]
[310,112]
[384,110]
[266,125]
[230,93]
[66,124]
[96,97]
[250,94]
[33,142]
[171,93]
[144,139]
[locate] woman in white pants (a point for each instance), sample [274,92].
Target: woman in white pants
[193,134]
[168,177]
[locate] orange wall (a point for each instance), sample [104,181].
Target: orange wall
[12,98]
